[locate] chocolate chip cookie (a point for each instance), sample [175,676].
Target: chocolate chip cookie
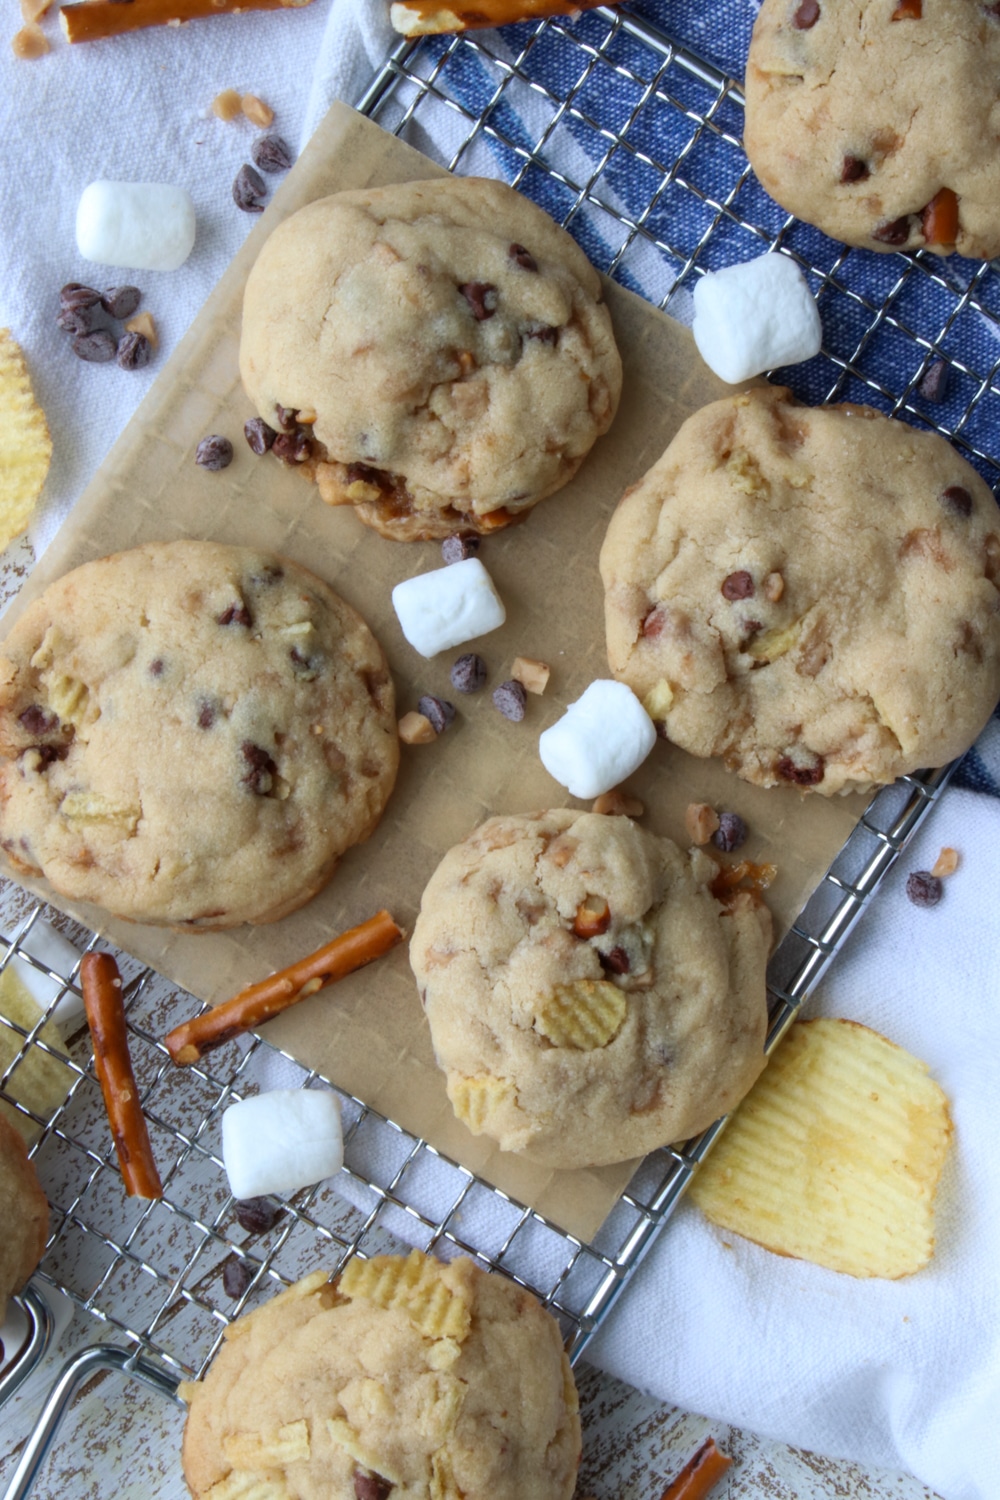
[880,122]
[588,997]
[25,1215]
[191,734]
[812,594]
[436,354]
[403,1377]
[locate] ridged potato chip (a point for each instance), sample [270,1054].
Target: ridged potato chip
[435,1297]
[475,1099]
[585,1014]
[26,450]
[835,1154]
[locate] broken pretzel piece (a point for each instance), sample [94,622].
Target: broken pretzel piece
[91,20]
[353,949]
[102,998]
[429,17]
[700,1474]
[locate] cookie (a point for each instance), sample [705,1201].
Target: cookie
[880,122]
[812,594]
[436,354]
[404,1377]
[191,734]
[24,1212]
[588,997]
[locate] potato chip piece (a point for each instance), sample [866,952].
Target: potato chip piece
[26,450]
[436,1298]
[835,1154]
[258,1452]
[585,1014]
[344,1435]
[242,1486]
[475,1099]
[40,1082]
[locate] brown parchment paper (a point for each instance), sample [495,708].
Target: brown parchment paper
[368,1033]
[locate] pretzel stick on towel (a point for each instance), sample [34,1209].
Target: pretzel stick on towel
[424,17]
[698,1476]
[102,997]
[351,950]
[91,20]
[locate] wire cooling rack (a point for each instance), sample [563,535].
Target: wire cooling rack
[634,144]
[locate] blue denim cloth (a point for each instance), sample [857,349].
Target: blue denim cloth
[586,118]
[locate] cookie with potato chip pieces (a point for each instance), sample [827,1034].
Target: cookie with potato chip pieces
[403,1376]
[835,1155]
[26,450]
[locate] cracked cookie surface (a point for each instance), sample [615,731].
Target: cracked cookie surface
[880,122]
[811,593]
[339,1390]
[192,734]
[436,353]
[588,997]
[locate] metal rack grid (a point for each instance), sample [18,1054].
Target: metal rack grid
[152,1273]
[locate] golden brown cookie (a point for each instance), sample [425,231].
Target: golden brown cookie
[406,1378]
[812,594]
[880,122]
[191,734]
[436,354]
[588,997]
[24,1213]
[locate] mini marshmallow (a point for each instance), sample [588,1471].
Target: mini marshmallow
[56,953]
[601,738]
[144,226]
[281,1141]
[448,606]
[755,317]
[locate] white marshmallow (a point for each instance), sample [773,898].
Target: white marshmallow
[281,1141]
[755,317]
[447,606]
[144,226]
[56,953]
[601,738]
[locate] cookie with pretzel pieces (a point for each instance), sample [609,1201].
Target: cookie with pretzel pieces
[436,354]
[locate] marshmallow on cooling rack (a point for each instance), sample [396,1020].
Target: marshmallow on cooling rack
[447,606]
[281,1141]
[601,738]
[144,226]
[755,317]
[56,953]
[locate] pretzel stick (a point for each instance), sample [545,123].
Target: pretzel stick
[426,17]
[351,950]
[102,998]
[93,19]
[703,1470]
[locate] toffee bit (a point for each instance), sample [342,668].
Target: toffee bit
[214,453]
[923,888]
[249,190]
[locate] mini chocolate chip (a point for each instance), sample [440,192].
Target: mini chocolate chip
[206,715]
[806,16]
[305,668]
[481,297]
[801,775]
[121,301]
[523,258]
[74,296]
[957,499]
[854,170]
[214,453]
[249,190]
[134,351]
[731,832]
[236,1277]
[653,623]
[438,710]
[155,668]
[37,720]
[287,417]
[47,754]
[923,888]
[895,233]
[457,548]
[257,1215]
[292,447]
[97,348]
[543,333]
[468,673]
[371,1486]
[271,154]
[615,962]
[259,435]
[510,698]
[366,474]
[76,319]
[261,771]
[934,382]
[235,614]
[738,585]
